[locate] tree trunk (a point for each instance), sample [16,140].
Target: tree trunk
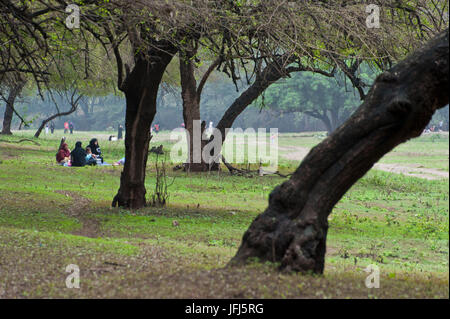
[402,101]
[86,123]
[191,113]
[273,72]
[334,118]
[245,99]
[322,116]
[328,123]
[141,90]
[9,111]
[54,116]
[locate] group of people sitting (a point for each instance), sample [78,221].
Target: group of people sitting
[79,156]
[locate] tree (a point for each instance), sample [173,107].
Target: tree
[72,99]
[293,229]
[324,98]
[40,46]
[143,36]
[329,36]
[191,96]
[152,32]
[142,27]
[71,84]
[15,86]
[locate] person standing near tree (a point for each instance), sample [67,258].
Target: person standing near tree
[66,127]
[46,129]
[52,127]
[71,127]
[120,132]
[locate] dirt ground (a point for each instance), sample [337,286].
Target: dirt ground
[297,153]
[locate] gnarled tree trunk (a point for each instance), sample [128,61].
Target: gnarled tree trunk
[73,108]
[270,75]
[191,96]
[191,113]
[9,111]
[141,90]
[293,229]
[274,71]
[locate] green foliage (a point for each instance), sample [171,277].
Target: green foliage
[316,95]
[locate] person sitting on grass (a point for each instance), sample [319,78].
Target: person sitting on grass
[91,159]
[63,154]
[95,148]
[78,156]
[120,162]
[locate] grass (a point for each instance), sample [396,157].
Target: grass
[52,216]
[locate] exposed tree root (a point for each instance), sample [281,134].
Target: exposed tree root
[21,141]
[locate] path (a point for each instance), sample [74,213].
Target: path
[297,153]
[415,170]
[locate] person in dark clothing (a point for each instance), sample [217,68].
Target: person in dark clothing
[95,148]
[71,127]
[120,132]
[52,127]
[78,156]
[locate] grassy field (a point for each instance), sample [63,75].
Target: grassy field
[52,216]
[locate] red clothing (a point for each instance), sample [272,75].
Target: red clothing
[66,125]
[62,153]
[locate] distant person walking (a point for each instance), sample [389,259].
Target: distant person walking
[78,156]
[71,127]
[52,127]
[156,128]
[120,132]
[46,129]
[66,127]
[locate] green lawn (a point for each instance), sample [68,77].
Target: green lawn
[52,216]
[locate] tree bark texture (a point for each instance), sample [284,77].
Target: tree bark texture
[191,113]
[9,111]
[141,89]
[293,229]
